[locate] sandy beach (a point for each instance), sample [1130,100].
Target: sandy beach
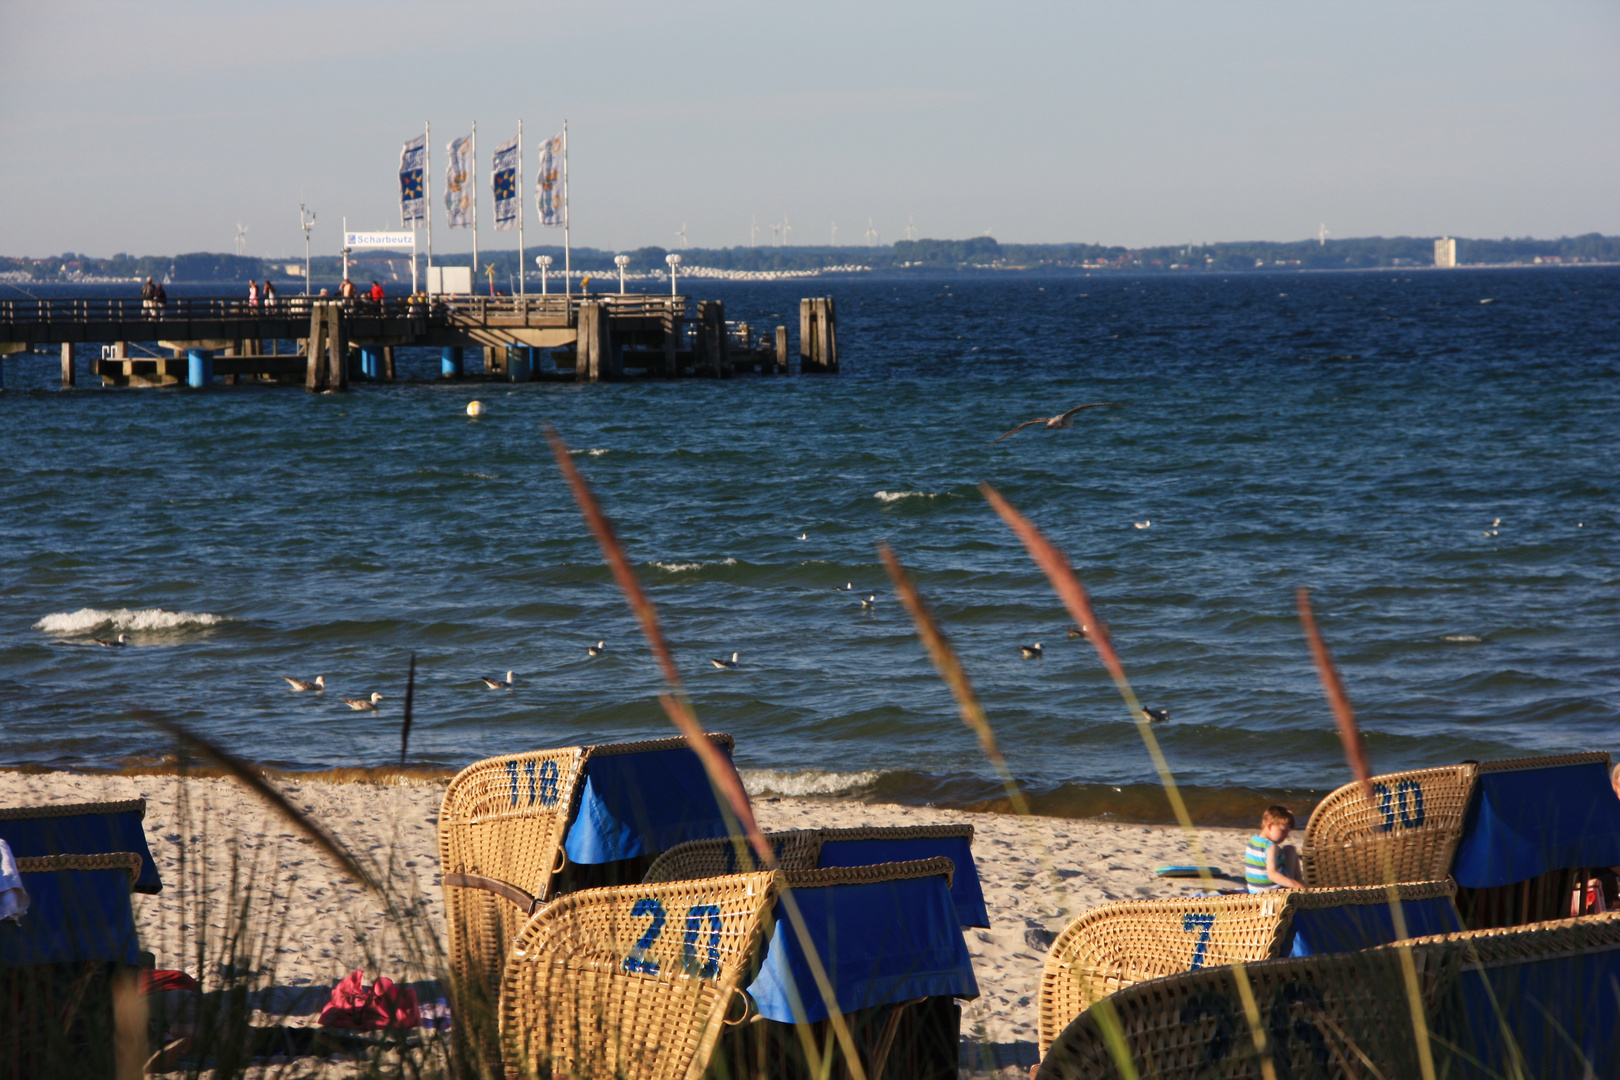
[213,841]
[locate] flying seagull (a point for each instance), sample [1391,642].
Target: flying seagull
[104,643]
[496,684]
[598,649]
[360,704]
[1061,420]
[299,684]
[724,663]
[1031,652]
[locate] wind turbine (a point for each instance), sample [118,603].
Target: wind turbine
[682,234]
[1321,235]
[835,234]
[786,228]
[911,230]
[753,230]
[241,239]
[871,234]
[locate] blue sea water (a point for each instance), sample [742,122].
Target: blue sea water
[1356,433]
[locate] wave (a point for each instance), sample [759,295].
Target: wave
[123,620]
[682,567]
[594,452]
[1469,638]
[760,782]
[896,496]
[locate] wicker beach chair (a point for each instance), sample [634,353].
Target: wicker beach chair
[679,979]
[1534,1001]
[67,970]
[504,829]
[1414,822]
[819,849]
[1119,945]
[82,829]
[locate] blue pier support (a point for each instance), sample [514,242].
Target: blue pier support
[450,362]
[370,363]
[519,363]
[199,367]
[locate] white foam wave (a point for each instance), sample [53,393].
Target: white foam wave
[86,620]
[896,496]
[1461,637]
[810,782]
[682,567]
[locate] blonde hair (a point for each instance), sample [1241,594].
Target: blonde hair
[1277,814]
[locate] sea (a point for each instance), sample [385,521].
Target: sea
[1434,455]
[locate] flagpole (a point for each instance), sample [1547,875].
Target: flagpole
[427,191]
[475,198]
[568,265]
[520,207]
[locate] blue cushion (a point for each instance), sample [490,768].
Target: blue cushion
[965,889]
[1522,824]
[83,834]
[1361,926]
[74,915]
[642,804]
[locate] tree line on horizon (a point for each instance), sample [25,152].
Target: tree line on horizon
[977,254]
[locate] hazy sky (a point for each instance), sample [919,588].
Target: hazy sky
[155,127]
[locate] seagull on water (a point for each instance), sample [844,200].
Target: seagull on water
[724,663]
[1031,652]
[299,684]
[360,704]
[869,603]
[598,649]
[802,536]
[1076,632]
[496,684]
[1061,420]
[844,588]
[1148,524]
[1155,715]
[104,643]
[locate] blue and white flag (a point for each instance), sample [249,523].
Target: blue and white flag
[508,203]
[549,189]
[458,193]
[412,200]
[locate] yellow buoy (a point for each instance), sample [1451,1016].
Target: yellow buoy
[475,408]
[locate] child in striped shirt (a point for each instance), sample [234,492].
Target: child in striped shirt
[1268,863]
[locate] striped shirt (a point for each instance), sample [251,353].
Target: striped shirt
[1254,864]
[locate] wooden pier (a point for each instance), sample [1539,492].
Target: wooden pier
[333,342]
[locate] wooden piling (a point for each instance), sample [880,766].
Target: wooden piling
[337,350]
[818,336]
[597,360]
[388,362]
[315,349]
[68,375]
[781,350]
[713,343]
[672,341]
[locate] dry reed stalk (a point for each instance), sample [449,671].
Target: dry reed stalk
[1355,755]
[405,723]
[1066,583]
[721,772]
[250,777]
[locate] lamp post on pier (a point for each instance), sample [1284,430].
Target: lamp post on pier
[306,224]
[673,260]
[544,263]
[621,261]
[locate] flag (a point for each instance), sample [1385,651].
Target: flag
[458,203]
[548,194]
[508,205]
[412,201]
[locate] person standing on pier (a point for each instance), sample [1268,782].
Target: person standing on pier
[376,291]
[253,293]
[148,297]
[269,295]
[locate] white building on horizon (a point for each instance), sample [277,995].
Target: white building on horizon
[1445,253]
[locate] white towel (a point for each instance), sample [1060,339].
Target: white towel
[13,897]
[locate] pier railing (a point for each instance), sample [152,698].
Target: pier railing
[192,308]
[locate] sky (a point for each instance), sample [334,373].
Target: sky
[159,127]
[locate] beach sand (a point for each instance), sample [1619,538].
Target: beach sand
[212,837]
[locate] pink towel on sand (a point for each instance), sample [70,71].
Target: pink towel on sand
[358,1007]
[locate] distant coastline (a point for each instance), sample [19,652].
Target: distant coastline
[904,258]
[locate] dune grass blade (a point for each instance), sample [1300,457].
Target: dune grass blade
[1355,751]
[405,724]
[721,772]
[1355,755]
[1072,593]
[244,772]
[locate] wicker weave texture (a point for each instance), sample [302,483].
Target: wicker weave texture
[1322,1015]
[1413,824]
[632,981]
[1551,761]
[116,860]
[50,810]
[796,849]
[1119,945]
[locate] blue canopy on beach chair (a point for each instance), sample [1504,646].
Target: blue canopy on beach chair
[642,804]
[1361,926]
[966,891]
[73,915]
[1526,822]
[82,829]
[880,942]
[1558,1013]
